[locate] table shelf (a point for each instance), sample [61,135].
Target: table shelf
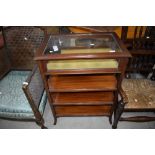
[82,111]
[84,98]
[82,83]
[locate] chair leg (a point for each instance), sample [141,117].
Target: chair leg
[43,127]
[41,124]
[110,119]
[55,120]
[118,112]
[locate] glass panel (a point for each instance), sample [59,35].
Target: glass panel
[81,44]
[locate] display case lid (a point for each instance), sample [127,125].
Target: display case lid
[82,44]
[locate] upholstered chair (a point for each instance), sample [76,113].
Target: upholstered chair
[27,104]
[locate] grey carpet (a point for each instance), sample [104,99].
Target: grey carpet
[74,123]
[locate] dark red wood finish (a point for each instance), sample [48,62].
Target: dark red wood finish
[84,92]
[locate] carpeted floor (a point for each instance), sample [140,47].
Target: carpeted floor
[73,122]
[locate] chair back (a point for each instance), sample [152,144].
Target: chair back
[143,38]
[142,49]
[22,42]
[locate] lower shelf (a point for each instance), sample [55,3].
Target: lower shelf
[84,98]
[83,110]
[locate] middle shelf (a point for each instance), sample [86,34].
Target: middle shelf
[82,83]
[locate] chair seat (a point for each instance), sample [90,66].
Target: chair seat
[13,103]
[140,93]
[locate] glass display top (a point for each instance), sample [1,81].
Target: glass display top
[79,44]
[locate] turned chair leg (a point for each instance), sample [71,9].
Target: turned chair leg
[118,112]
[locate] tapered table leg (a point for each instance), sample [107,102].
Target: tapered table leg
[118,112]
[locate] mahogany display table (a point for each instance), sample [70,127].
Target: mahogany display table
[82,73]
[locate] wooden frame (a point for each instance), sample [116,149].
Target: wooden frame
[121,57]
[39,119]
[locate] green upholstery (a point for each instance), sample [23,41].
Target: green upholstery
[82,64]
[13,103]
[89,50]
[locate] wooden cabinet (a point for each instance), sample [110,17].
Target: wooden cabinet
[82,73]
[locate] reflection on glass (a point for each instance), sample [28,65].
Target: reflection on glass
[85,44]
